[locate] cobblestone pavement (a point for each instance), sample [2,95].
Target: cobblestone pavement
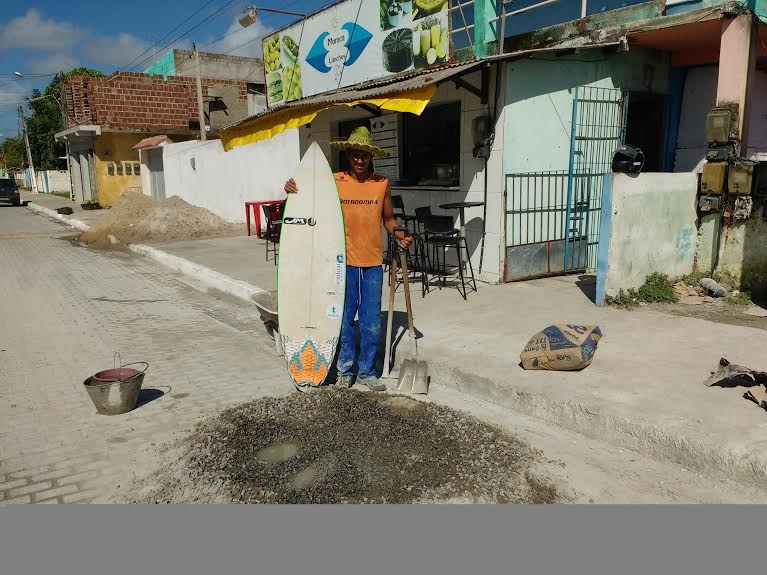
[66,310]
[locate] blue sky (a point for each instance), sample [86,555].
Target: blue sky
[45,36]
[42,37]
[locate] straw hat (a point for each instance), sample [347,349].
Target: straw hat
[361,140]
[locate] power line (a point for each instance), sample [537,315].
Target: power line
[185,34]
[171,32]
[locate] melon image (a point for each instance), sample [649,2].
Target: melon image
[397,50]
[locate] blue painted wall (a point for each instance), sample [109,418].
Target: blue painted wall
[605,229]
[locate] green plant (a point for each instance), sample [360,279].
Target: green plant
[657,289]
[627,300]
[740,299]
[694,278]
[725,276]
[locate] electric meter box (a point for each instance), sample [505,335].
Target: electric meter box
[740,177]
[712,178]
[718,127]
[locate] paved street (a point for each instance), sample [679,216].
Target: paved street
[65,311]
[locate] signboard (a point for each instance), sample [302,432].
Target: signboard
[354,41]
[385,134]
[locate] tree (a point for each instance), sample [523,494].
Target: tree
[47,118]
[14,154]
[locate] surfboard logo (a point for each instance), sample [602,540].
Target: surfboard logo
[333,312]
[300,221]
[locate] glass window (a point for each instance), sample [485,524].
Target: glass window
[430,146]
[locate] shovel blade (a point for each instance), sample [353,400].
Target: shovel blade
[413,377]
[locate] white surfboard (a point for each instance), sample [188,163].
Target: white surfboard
[311,272]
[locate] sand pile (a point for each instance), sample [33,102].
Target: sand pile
[138,218]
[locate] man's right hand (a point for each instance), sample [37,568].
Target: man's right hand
[290,186]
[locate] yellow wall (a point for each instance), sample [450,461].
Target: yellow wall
[115,147]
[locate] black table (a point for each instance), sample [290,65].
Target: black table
[461,206]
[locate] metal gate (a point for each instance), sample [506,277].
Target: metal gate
[599,127]
[552,218]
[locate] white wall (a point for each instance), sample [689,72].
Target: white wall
[223,181]
[53,181]
[471,188]
[652,229]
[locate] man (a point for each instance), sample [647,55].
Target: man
[366,202]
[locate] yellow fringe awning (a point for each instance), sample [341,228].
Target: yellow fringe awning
[262,128]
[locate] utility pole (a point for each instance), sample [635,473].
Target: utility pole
[29,150]
[200,110]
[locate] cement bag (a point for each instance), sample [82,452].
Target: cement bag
[561,348]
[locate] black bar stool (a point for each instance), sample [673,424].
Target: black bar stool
[441,236]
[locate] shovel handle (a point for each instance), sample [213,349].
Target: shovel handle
[406,282]
[389,319]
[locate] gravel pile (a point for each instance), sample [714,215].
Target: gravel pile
[345,447]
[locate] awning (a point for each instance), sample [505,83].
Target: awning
[410,92]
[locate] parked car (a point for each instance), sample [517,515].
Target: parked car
[9,191]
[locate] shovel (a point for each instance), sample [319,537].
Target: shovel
[413,376]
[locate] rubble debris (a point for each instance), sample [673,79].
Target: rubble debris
[713,288]
[731,375]
[65,211]
[561,348]
[758,395]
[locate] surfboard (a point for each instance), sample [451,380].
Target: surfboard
[311,271]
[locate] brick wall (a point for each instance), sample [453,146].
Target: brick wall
[138,101]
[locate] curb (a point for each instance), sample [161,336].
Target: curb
[82,226]
[703,458]
[207,276]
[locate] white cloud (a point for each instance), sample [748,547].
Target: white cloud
[60,61]
[34,32]
[116,51]
[239,41]
[10,99]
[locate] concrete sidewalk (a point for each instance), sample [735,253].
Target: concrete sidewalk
[644,390]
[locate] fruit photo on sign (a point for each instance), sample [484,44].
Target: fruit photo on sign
[274,89]
[289,51]
[397,50]
[395,13]
[423,8]
[291,78]
[431,42]
[272,58]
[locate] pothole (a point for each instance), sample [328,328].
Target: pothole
[347,447]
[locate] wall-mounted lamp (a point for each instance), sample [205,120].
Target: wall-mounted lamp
[249,15]
[483,139]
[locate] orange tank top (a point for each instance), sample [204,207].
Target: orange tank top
[362,204]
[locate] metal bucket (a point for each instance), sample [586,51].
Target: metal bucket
[116,391]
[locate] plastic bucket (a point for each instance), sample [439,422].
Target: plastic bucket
[116,391]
